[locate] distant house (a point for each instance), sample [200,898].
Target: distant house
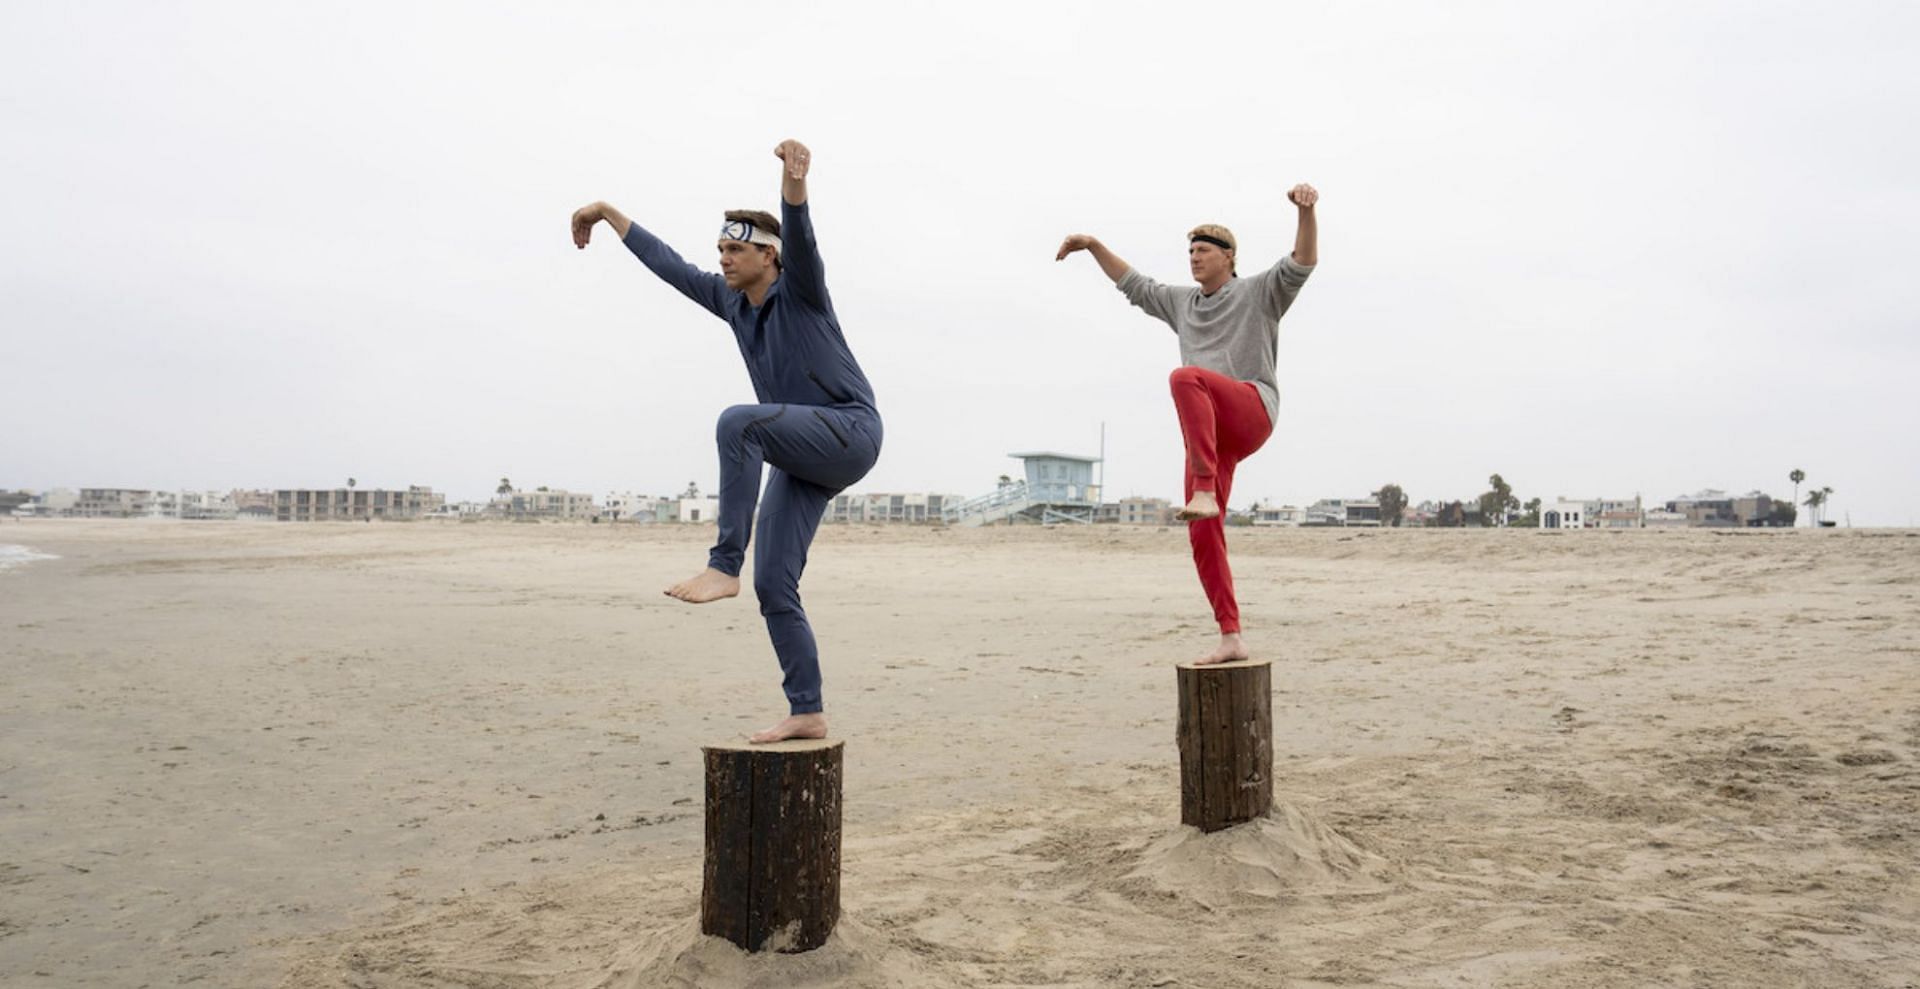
[692,508]
[111,503]
[1564,515]
[354,504]
[1709,508]
[884,506]
[1660,518]
[1284,515]
[1713,508]
[1135,510]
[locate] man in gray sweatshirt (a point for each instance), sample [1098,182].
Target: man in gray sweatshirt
[1225,391]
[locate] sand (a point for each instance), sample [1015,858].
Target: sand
[468,755]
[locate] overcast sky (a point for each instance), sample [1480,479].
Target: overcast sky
[1614,249]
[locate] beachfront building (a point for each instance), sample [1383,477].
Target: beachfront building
[354,504]
[1707,508]
[1660,518]
[549,503]
[1616,513]
[1328,511]
[690,508]
[1136,510]
[1753,510]
[252,504]
[1267,513]
[111,503]
[206,505]
[1715,509]
[881,506]
[629,506]
[1362,512]
[1564,514]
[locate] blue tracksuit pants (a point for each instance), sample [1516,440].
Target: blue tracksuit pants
[815,452]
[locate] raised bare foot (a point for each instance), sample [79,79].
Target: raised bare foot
[707,585]
[1230,649]
[795,726]
[1199,507]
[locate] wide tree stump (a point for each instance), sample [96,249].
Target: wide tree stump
[772,876]
[1226,743]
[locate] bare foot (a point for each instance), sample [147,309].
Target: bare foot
[1198,508]
[708,585]
[795,726]
[1230,649]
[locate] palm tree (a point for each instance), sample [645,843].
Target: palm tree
[1815,500]
[505,488]
[1796,476]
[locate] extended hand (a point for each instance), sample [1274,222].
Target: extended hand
[1303,195]
[1074,242]
[583,220]
[797,157]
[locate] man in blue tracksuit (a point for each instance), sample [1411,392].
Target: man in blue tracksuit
[815,425]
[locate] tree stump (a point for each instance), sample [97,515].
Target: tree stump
[1226,743]
[772,875]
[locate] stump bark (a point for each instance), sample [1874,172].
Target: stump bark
[772,875]
[1225,732]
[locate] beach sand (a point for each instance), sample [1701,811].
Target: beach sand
[468,755]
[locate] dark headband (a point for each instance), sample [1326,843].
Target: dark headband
[1215,241]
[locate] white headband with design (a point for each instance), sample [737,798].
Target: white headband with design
[743,231]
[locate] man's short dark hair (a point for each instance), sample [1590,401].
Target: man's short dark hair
[761,220]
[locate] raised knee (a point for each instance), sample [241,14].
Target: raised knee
[1184,375]
[734,422]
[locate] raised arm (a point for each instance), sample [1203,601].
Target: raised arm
[704,287]
[1110,262]
[800,265]
[1155,298]
[1306,236]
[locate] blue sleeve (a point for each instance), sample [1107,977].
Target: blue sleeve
[704,287]
[800,257]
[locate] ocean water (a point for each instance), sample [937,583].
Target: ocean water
[13,555]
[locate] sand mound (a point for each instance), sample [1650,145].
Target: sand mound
[1288,851]
[854,957]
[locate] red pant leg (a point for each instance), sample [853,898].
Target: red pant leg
[1223,421]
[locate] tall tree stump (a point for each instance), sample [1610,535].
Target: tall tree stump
[1226,743]
[772,875]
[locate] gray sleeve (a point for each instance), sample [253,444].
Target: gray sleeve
[1156,299]
[1280,283]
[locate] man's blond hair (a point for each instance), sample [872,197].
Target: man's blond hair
[1217,232]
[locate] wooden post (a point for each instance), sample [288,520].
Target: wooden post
[1226,743]
[772,875]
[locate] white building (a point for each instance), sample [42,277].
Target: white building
[630,506]
[207,505]
[1267,514]
[886,506]
[1564,514]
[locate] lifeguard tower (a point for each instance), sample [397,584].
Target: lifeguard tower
[1057,488]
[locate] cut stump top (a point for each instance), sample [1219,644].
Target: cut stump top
[790,745]
[1238,664]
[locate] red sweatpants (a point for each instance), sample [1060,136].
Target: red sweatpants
[1223,422]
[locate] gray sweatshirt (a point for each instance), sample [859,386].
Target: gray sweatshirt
[1235,331]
